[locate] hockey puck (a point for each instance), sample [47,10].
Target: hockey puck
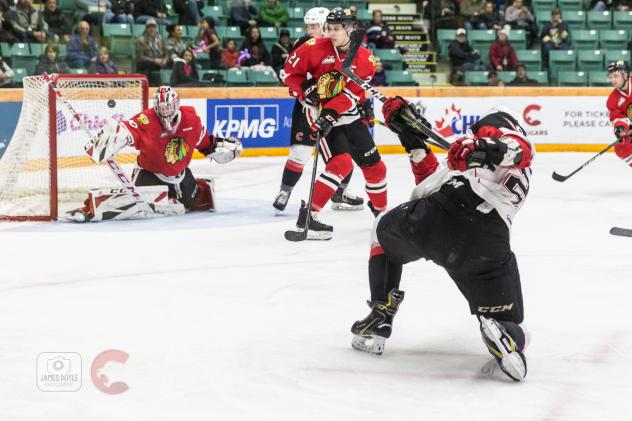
[111,103]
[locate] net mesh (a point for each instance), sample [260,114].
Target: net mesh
[26,168]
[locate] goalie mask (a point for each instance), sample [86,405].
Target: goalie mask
[167,107]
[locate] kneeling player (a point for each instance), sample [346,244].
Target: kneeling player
[459,217]
[165,137]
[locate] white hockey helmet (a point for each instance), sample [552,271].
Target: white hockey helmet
[317,15]
[167,105]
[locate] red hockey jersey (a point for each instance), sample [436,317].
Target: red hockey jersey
[319,56]
[168,154]
[619,105]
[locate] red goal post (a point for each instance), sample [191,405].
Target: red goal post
[44,170]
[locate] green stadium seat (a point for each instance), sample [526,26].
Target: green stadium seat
[221,31]
[296,12]
[532,59]
[547,5]
[364,15]
[476,78]
[138,29]
[575,19]
[506,76]
[613,39]
[25,62]
[265,78]
[622,20]
[542,16]
[78,71]
[518,39]
[19,74]
[63,50]
[585,39]
[37,49]
[390,56]
[221,72]
[614,55]
[444,38]
[400,78]
[330,4]
[598,78]
[18,49]
[67,5]
[542,77]
[569,78]
[214,11]
[238,77]
[570,4]
[269,33]
[232,32]
[600,20]
[165,76]
[296,32]
[481,39]
[564,60]
[588,60]
[117,29]
[190,31]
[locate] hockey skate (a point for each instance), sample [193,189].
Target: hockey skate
[370,333]
[317,230]
[280,201]
[343,200]
[504,349]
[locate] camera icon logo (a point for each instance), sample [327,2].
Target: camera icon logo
[59,365]
[58,372]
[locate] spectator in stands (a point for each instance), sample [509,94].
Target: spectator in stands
[27,23]
[522,79]
[6,75]
[489,19]
[442,14]
[623,5]
[554,35]
[470,11]
[242,14]
[50,62]
[379,78]
[378,33]
[175,44]
[501,54]
[190,11]
[518,16]
[104,64]
[82,49]
[94,11]
[492,79]
[145,10]
[151,53]
[281,50]
[6,35]
[273,13]
[208,41]
[230,54]
[184,73]
[56,21]
[122,12]
[463,57]
[257,56]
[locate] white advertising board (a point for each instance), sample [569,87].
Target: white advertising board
[550,119]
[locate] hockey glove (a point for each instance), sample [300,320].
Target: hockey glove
[310,93]
[467,153]
[323,125]
[396,113]
[366,113]
[226,150]
[623,136]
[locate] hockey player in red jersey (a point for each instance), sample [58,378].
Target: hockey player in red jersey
[165,137]
[335,116]
[459,216]
[619,105]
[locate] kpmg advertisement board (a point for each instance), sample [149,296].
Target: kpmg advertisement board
[258,122]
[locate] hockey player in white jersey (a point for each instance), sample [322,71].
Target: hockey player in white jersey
[459,216]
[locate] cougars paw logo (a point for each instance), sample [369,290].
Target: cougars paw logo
[176,150]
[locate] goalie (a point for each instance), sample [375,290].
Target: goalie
[165,137]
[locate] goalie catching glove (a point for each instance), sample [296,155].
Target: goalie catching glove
[113,137]
[226,150]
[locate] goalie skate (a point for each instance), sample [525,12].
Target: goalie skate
[504,349]
[342,200]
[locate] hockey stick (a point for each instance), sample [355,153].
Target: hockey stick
[562,178]
[302,235]
[356,41]
[624,232]
[111,163]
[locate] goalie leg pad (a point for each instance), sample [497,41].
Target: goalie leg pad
[206,197]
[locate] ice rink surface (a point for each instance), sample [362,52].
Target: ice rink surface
[225,320]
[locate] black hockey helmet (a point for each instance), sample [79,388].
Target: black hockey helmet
[343,16]
[618,66]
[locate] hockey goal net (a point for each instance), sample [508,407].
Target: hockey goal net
[44,170]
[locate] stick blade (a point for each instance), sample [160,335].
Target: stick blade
[624,232]
[356,38]
[558,177]
[295,236]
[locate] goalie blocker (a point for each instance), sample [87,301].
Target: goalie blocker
[165,137]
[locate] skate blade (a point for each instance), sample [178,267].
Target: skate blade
[346,207]
[370,344]
[319,235]
[511,363]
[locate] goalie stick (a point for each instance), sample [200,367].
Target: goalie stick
[624,232]
[356,41]
[562,178]
[111,163]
